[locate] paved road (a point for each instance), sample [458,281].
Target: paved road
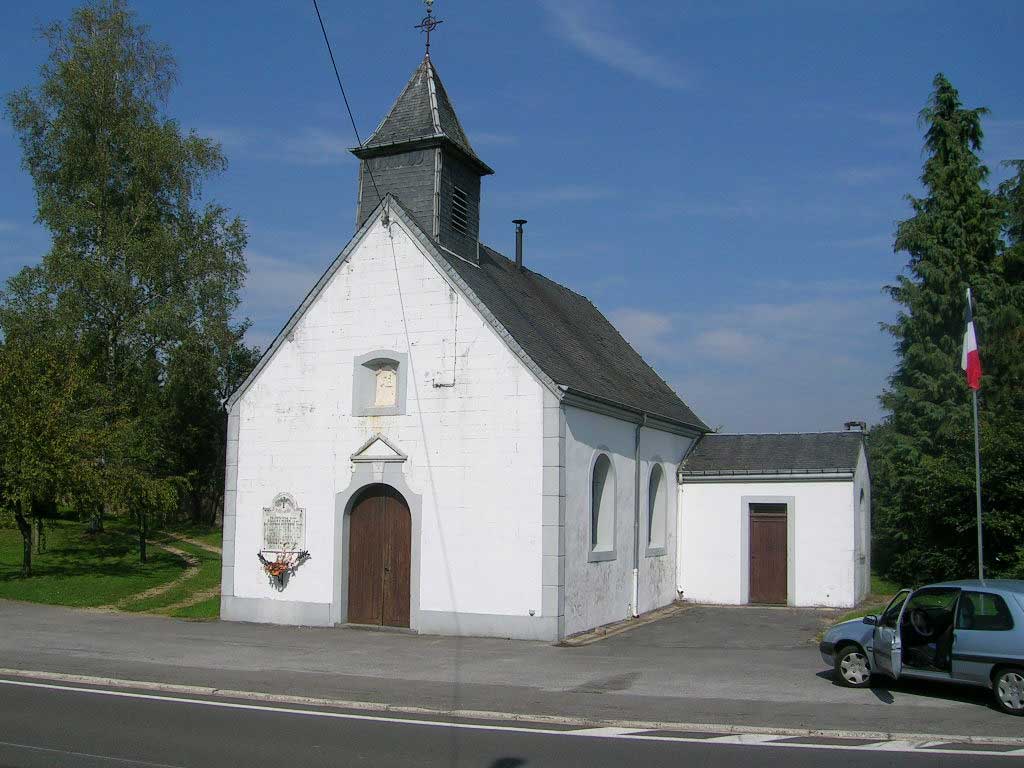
[110,728]
[753,667]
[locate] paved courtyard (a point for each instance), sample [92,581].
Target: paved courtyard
[740,665]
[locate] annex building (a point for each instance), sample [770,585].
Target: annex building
[442,439]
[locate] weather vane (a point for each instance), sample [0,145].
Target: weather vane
[429,23]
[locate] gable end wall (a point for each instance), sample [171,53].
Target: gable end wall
[475,449]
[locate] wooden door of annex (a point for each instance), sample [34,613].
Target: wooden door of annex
[768,554]
[379,559]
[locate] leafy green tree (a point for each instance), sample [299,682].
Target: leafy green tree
[923,453]
[140,273]
[52,417]
[202,373]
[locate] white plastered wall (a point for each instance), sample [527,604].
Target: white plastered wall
[601,592]
[714,540]
[474,449]
[862,535]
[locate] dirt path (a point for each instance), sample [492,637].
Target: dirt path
[192,563]
[192,599]
[212,548]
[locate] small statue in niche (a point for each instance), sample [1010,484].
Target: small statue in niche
[386,391]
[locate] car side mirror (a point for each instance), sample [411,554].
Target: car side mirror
[871,620]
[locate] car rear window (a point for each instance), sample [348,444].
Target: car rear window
[983,611]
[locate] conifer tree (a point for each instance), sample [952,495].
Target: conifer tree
[923,452]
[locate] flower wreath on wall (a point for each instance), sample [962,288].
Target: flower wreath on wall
[282,566]
[284,532]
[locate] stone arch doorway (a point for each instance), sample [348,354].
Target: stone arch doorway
[379,558]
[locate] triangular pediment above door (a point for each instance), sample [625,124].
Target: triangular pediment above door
[378,448]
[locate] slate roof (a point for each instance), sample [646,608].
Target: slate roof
[412,118]
[798,453]
[568,337]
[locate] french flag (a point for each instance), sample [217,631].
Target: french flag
[970,361]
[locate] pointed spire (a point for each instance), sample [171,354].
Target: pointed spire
[422,113]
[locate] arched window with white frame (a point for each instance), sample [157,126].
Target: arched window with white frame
[602,510]
[657,511]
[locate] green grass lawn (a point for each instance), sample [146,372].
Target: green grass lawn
[207,609]
[208,577]
[81,569]
[880,586]
[87,570]
[212,536]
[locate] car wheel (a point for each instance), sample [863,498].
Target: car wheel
[852,668]
[1008,689]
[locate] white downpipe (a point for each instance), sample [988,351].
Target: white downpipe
[636,592]
[636,517]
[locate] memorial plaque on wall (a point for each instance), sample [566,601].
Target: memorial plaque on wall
[284,525]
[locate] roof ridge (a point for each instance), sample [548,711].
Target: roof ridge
[779,434]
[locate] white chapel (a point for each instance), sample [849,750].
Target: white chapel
[442,439]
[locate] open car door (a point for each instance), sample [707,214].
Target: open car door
[887,650]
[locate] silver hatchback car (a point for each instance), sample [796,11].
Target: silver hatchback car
[969,632]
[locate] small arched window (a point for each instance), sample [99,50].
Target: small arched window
[602,508]
[657,512]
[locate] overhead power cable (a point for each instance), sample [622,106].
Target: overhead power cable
[344,96]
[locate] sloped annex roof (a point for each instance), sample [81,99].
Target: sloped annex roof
[797,453]
[561,333]
[422,112]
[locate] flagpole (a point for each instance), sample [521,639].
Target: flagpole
[977,485]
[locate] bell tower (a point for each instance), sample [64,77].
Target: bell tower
[421,155]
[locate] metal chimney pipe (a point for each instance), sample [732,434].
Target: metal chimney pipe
[519,241]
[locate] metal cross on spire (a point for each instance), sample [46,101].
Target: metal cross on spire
[429,23]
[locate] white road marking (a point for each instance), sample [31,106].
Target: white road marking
[772,740]
[714,729]
[745,738]
[896,745]
[607,731]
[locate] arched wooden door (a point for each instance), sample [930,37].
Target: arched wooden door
[379,558]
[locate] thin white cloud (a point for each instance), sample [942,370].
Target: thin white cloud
[808,357]
[275,286]
[729,344]
[318,147]
[646,330]
[229,138]
[309,146]
[714,210]
[765,203]
[575,193]
[586,26]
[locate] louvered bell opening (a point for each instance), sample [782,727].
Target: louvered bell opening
[460,211]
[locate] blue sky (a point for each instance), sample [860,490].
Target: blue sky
[722,179]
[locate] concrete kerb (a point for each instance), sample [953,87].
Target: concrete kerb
[488,715]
